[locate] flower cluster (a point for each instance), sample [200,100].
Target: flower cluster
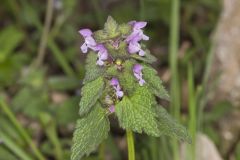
[133,42]
[133,47]
[89,42]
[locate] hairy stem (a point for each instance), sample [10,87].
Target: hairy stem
[130,142]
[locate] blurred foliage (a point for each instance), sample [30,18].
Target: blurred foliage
[52,89]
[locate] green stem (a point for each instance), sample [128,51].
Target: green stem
[50,128]
[192,125]
[130,142]
[20,129]
[203,99]
[173,60]
[61,59]
[102,151]
[44,38]
[11,145]
[53,46]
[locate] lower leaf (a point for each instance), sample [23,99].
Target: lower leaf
[90,132]
[168,126]
[136,113]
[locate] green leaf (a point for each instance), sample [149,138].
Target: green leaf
[168,126]
[148,58]
[154,82]
[10,38]
[93,71]
[112,71]
[90,94]
[90,132]
[101,36]
[111,27]
[124,28]
[127,79]
[136,113]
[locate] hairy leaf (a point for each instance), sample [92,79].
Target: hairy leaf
[93,71]
[127,79]
[111,27]
[90,132]
[124,28]
[136,113]
[90,94]
[168,126]
[148,58]
[101,36]
[154,82]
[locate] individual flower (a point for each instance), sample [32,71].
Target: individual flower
[111,109]
[102,54]
[114,82]
[135,47]
[136,36]
[137,71]
[137,33]
[89,41]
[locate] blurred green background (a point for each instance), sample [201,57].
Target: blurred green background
[41,69]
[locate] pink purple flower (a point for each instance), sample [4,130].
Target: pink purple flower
[136,36]
[137,71]
[89,41]
[102,54]
[111,109]
[137,33]
[114,82]
[135,47]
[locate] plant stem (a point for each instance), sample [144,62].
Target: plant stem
[203,99]
[130,142]
[53,46]
[173,60]
[20,129]
[102,151]
[44,38]
[50,128]
[192,125]
[10,144]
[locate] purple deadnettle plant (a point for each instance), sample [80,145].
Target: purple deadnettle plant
[119,81]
